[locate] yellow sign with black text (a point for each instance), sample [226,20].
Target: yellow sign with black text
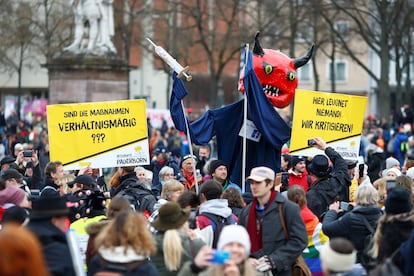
[99,134]
[337,118]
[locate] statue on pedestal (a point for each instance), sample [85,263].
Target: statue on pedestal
[94,27]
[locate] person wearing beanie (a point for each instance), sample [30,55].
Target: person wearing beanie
[394,226]
[391,162]
[298,175]
[187,175]
[12,195]
[175,243]
[231,257]
[338,258]
[393,173]
[327,186]
[219,173]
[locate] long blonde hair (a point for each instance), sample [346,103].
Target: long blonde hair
[173,249]
[63,181]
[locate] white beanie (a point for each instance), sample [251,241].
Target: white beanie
[335,261]
[234,233]
[397,172]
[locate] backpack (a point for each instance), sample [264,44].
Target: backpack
[367,261]
[217,223]
[133,197]
[388,267]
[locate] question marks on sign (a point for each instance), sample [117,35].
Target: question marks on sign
[98,137]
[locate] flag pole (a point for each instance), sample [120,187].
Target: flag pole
[243,179]
[190,147]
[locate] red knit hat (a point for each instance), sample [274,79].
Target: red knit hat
[12,195]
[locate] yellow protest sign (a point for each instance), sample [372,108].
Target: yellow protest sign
[337,118]
[99,134]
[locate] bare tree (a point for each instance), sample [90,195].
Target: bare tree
[17,38]
[373,23]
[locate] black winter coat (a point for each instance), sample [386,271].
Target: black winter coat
[54,246]
[396,229]
[146,198]
[324,191]
[351,225]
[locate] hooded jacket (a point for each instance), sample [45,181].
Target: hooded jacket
[218,207]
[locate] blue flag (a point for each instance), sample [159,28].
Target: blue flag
[267,136]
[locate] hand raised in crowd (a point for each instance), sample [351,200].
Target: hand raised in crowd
[203,257]
[320,143]
[35,158]
[335,206]
[86,170]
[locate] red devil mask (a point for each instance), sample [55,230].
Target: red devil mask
[276,73]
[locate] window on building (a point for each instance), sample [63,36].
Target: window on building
[342,28]
[341,71]
[305,73]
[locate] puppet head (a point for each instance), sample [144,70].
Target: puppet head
[276,73]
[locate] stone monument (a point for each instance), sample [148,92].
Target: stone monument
[88,69]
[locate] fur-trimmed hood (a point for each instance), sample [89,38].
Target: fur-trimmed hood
[118,254]
[95,227]
[403,217]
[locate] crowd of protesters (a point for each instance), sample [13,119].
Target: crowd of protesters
[182,215]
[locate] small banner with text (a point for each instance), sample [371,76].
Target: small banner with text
[99,134]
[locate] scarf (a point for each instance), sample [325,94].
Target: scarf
[189,183]
[254,227]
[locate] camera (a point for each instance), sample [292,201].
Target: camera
[345,206]
[27,153]
[220,257]
[192,219]
[390,185]
[283,179]
[311,142]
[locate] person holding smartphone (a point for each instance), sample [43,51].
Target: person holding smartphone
[328,184]
[230,258]
[352,224]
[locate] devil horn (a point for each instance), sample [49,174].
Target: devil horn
[298,62]
[257,49]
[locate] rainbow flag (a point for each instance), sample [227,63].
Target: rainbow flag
[316,239]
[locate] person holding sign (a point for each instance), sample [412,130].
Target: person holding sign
[327,186]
